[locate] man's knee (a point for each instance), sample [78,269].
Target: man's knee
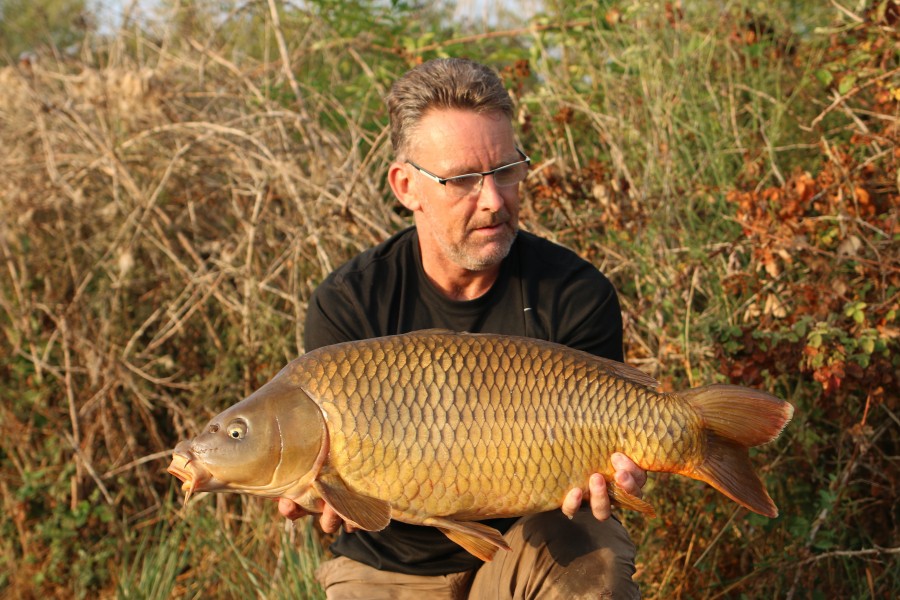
[582,557]
[346,579]
[554,557]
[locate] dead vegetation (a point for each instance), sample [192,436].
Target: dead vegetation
[167,206]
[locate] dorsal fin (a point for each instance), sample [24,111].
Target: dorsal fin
[626,371]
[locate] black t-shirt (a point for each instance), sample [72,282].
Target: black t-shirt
[543,291]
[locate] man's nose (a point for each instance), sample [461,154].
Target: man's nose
[490,198]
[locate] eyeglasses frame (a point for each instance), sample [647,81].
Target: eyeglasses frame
[443,180]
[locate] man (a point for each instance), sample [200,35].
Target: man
[466,267]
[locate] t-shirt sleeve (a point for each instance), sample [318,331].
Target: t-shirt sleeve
[593,322]
[333,316]
[576,304]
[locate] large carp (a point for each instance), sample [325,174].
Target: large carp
[444,429]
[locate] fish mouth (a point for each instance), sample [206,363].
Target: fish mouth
[187,470]
[180,468]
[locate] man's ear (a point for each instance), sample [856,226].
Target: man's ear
[400,177]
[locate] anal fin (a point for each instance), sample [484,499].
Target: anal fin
[477,539]
[626,500]
[363,511]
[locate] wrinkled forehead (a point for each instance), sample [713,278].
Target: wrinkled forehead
[458,141]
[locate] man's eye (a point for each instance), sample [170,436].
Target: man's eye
[466,182]
[510,175]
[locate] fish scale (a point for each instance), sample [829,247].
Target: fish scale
[517,413]
[443,429]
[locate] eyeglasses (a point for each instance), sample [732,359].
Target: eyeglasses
[460,186]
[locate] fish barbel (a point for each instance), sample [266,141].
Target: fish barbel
[446,429]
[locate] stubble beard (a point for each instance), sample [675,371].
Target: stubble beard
[469,254]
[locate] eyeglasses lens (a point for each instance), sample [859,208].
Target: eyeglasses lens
[503,177]
[463,186]
[510,175]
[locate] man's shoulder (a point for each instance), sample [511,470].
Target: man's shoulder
[564,270]
[552,255]
[350,303]
[372,263]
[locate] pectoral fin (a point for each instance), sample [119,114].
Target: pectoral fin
[363,511]
[479,540]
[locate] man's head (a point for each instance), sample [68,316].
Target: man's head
[444,83]
[449,118]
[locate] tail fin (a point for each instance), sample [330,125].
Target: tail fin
[736,418]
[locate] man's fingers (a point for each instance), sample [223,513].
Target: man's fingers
[626,483]
[572,502]
[600,505]
[628,476]
[290,509]
[330,521]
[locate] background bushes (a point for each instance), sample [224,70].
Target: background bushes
[174,190]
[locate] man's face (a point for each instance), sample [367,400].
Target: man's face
[474,232]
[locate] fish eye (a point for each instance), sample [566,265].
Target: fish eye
[237,429]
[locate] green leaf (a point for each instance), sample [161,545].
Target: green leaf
[802,326]
[867,345]
[846,84]
[825,76]
[862,360]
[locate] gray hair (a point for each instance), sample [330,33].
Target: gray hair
[443,83]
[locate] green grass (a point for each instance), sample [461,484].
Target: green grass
[196,553]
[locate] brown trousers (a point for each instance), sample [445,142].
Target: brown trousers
[552,557]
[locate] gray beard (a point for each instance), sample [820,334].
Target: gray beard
[461,257]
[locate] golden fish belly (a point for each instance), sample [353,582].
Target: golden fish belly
[475,427]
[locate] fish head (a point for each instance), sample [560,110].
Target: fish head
[268,443]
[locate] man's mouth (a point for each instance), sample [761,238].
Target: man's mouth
[491,228]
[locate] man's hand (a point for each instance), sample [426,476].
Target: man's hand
[330,520]
[630,477]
